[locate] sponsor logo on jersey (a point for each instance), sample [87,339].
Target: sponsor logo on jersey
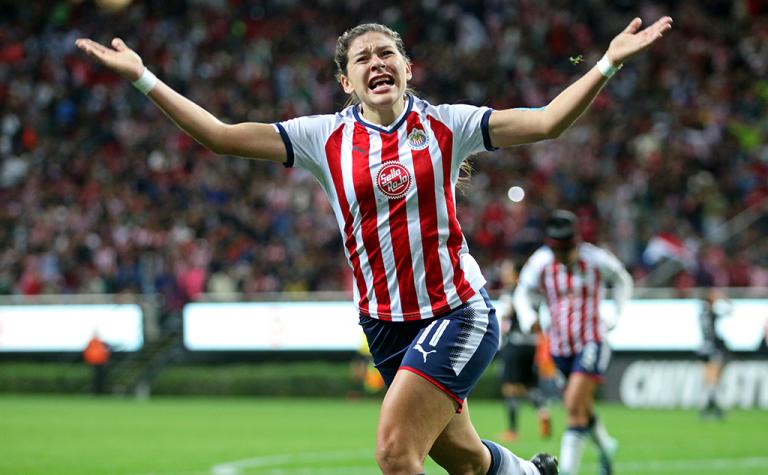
[393,180]
[417,139]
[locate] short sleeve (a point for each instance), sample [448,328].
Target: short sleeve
[610,265]
[304,139]
[469,125]
[530,274]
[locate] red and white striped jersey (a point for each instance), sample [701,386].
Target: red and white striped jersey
[572,294]
[392,190]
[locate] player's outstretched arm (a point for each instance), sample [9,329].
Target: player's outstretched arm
[519,126]
[249,139]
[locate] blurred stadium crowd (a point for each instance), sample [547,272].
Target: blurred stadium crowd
[99,193]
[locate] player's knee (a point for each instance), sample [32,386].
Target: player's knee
[576,413]
[395,457]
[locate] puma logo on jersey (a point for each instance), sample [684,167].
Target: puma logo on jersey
[423,352]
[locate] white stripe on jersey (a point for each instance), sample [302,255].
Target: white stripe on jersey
[346,168]
[442,224]
[414,229]
[375,155]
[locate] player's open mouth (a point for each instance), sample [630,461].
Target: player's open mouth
[381,83]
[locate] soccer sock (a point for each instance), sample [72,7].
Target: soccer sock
[537,398]
[571,448]
[504,462]
[511,403]
[599,434]
[711,392]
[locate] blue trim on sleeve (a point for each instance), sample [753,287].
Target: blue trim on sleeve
[495,456]
[486,133]
[288,145]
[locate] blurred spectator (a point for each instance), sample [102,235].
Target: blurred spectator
[96,355]
[130,205]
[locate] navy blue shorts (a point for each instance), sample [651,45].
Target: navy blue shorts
[450,351]
[592,360]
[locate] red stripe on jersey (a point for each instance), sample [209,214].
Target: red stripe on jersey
[571,311]
[425,188]
[398,230]
[596,307]
[333,155]
[366,200]
[584,300]
[555,310]
[444,138]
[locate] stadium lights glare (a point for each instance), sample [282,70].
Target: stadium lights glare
[516,194]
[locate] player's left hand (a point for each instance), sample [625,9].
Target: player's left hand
[633,40]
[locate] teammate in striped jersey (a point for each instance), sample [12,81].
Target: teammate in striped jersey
[570,276]
[389,164]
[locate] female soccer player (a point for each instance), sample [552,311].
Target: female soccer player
[389,165]
[570,276]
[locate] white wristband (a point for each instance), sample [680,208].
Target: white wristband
[607,68]
[146,81]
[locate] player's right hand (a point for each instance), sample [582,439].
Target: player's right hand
[120,58]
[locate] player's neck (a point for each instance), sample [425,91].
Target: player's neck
[383,116]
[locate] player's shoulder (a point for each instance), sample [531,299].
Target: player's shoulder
[444,110]
[317,119]
[599,255]
[589,249]
[540,258]
[316,127]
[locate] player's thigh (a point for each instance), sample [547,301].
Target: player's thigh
[579,392]
[458,448]
[413,414]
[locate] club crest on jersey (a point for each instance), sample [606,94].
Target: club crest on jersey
[393,180]
[417,139]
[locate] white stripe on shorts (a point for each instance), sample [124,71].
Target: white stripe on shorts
[480,313]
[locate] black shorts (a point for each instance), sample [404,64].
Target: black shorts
[714,351]
[518,367]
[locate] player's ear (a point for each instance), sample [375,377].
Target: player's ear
[408,71]
[345,84]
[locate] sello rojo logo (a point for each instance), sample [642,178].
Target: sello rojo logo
[393,180]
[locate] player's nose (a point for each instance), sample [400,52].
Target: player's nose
[377,64]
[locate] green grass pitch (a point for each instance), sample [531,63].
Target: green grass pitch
[78,435]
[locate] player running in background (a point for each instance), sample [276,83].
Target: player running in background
[571,276]
[520,370]
[715,305]
[389,164]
